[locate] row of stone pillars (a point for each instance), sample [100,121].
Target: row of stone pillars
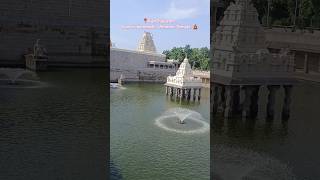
[184,93]
[226,99]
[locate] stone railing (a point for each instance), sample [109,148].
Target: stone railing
[184,81]
[202,74]
[175,80]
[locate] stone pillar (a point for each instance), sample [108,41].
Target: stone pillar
[215,98]
[183,93]
[242,96]
[186,94]
[176,93]
[194,94]
[287,102]
[235,103]
[318,63]
[254,107]
[271,101]
[229,101]
[221,97]
[199,96]
[306,63]
[171,91]
[166,90]
[189,94]
[247,101]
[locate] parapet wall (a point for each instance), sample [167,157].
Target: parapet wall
[128,59]
[300,40]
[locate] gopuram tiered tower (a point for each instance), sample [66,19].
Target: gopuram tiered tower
[242,65]
[146,44]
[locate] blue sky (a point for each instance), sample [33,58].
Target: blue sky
[184,12]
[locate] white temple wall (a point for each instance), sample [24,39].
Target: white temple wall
[133,65]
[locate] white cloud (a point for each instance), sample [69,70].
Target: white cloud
[179,13]
[186,9]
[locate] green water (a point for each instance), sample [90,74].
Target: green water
[141,150]
[271,150]
[57,128]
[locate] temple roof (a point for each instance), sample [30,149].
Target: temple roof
[240,29]
[146,44]
[240,50]
[184,77]
[184,69]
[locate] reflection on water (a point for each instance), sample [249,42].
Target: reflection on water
[140,149]
[57,132]
[290,144]
[115,173]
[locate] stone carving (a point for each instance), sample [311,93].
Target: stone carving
[246,62]
[248,46]
[39,51]
[140,65]
[184,84]
[146,44]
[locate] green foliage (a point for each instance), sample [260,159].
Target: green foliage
[198,57]
[282,12]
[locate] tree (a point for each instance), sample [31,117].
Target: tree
[306,13]
[187,50]
[282,12]
[198,58]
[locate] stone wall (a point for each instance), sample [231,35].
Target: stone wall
[133,65]
[73,32]
[142,75]
[304,45]
[159,75]
[301,40]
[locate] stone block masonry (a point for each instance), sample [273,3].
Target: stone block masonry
[74,32]
[242,65]
[133,65]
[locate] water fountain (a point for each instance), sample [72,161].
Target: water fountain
[116,86]
[18,78]
[193,122]
[182,117]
